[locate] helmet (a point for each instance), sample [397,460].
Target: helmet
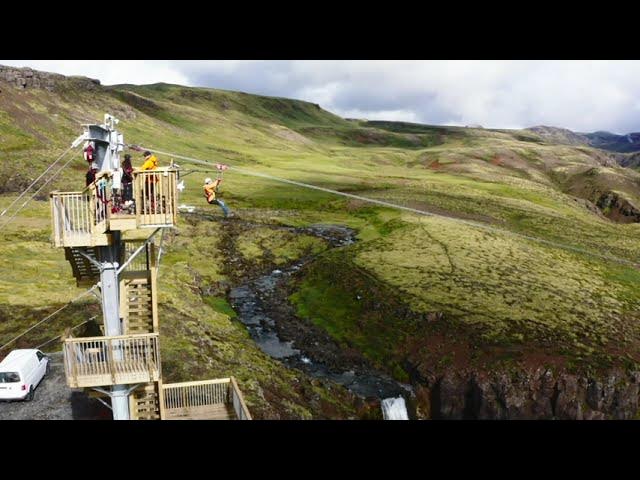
[207,181]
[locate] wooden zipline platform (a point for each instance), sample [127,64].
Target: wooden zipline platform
[84,223]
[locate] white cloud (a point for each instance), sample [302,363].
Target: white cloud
[580,95]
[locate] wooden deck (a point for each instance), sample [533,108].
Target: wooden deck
[218,399]
[123,222]
[86,218]
[220,411]
[116,373]
[102,361]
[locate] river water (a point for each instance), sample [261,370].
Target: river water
[255,303]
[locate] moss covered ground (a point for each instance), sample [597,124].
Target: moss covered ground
[492,289]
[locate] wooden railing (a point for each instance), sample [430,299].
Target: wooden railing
[99,361]
[84,218]
[242,412]
[156,197]
[143,260]
[102,193]
[219,399]
[72,218]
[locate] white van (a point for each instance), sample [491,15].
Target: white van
[21,372]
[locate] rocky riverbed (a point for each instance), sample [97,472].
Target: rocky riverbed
[532,390]
[262,306]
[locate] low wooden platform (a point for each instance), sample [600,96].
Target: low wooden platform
[123,222]
[114,360]
[220,411]
[218,399]
[116,373]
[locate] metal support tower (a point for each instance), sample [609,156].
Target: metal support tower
[110,143]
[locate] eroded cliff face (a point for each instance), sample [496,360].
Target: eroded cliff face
[535,394]
[25,78]
[618,208]
[455,374]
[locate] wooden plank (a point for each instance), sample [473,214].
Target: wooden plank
[138,319]
[124,310]
[137,278]
[133,407]
[140,324]
[140,310]
[123,224]
[154,299]
[220,411]
[200,382]
[115,337]
[136,184]
[159,387]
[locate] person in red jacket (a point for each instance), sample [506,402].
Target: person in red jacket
[127,178]
[89,153]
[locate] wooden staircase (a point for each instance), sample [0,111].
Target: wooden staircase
[138,309]
[85,272]
[139,313]
[144,402]
[138,302]
[92,226]
[134,357]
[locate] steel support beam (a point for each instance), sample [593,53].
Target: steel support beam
[110,292]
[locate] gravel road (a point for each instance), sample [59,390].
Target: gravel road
[54,400]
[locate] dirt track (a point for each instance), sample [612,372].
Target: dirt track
[54,400]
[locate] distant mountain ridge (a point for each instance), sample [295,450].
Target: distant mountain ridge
[559,135]
[616,143]
[612,142]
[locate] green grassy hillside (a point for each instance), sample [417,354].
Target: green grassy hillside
[473,297]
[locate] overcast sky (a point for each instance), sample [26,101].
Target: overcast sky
[583,96]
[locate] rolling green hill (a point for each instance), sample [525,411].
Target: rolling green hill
[469,298]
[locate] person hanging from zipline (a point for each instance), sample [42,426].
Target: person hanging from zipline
[211,190]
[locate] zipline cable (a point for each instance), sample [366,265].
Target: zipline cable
[36,181]
[49,316]
[383,203]
[72,328]
[39,190]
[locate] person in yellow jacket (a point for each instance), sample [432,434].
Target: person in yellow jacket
[150,163]
[210,191]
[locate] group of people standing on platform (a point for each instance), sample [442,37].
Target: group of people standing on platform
[124,196]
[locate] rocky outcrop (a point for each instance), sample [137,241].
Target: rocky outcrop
[629,160]
[618,208]
[137,101]
[535,394]
[25,78]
